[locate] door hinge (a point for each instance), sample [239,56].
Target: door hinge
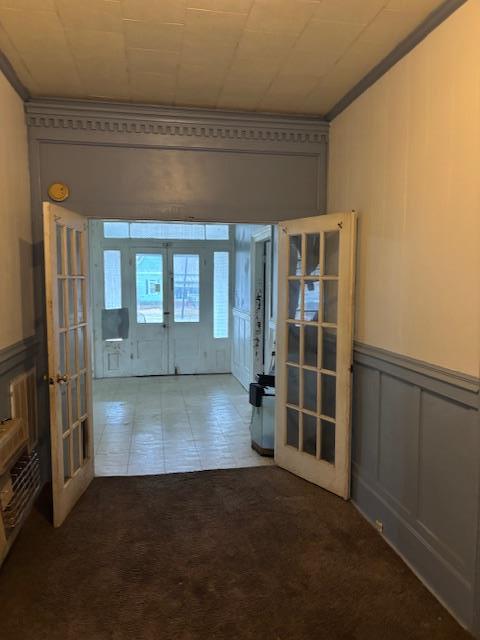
[351,368]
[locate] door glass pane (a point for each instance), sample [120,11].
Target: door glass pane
[313,254]
[72,367]
[220,294]
[294,301]
[328,441]
[71,301]
[293,342]
[292,427]
[76,449]
[64,418]
[311,300]
[329,384]
[149,284]
[295,260]
[310,390]
[62,358]
[61,302]
[70,251]
[59,232]
[331,253]
[310,345]
[78,248]
[74,400]
[330,293]
[112,279]
[80,283]
[81,347]
[186,287]
[83,395]
[309,434]
[293,382]
[84,437]
[329,349]
[66,458]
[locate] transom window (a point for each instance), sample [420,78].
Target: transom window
[166,230]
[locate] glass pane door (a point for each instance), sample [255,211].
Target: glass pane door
[66,271]
[315,348]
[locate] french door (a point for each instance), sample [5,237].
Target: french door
[314,348]
[69,368]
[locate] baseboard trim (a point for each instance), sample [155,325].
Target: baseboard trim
[408,544]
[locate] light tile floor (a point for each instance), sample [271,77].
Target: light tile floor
[171,424]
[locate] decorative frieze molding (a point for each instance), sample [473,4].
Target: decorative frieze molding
[113,119]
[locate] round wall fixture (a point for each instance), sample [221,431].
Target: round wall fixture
[58,192]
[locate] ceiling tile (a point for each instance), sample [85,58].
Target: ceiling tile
[329,38]
[280,15]
[98,15]
[153,87]
[24,5]
[152,61]
[217,26]
[157,10]
[358,11]
[422,6]
[152,35]
[261,45]
[232,6]
[101,61]
[239,100]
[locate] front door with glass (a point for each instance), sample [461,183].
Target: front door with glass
[173,295]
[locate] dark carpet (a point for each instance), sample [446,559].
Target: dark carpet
[234,554]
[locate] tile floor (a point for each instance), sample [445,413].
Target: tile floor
[171,424]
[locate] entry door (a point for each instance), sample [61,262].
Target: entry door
[314,349]
[69,367]
[190,328]
[151,313]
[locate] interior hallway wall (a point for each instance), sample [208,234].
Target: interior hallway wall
[16,282]
[17,327]
[406,155]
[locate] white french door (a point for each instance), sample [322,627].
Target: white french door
[314,348]
[69,367]
[149,311]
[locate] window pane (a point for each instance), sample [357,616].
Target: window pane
[112,278]
[220,294]
[295,257]
[149,283]
[311,300]
[292,427]
[309,434]
[186,287]
[216,231]
[164,230]
[293,342]
[115,229]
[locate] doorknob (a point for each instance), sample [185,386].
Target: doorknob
[60,379]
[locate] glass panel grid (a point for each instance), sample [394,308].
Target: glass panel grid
[312,321]
[166,230]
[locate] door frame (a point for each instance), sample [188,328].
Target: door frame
[258,298]
[98,244]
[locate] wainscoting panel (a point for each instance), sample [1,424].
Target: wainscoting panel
[242,348]
[415,468]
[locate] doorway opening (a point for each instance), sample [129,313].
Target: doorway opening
[182,322]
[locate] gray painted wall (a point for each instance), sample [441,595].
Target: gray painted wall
[415,468]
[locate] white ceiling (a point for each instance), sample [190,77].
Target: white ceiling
[287,56]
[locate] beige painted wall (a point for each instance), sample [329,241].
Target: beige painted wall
[406,155]
[16,279]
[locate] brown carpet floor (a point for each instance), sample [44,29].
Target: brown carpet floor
[235,554]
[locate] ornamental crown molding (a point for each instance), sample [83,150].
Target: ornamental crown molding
[130,119]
